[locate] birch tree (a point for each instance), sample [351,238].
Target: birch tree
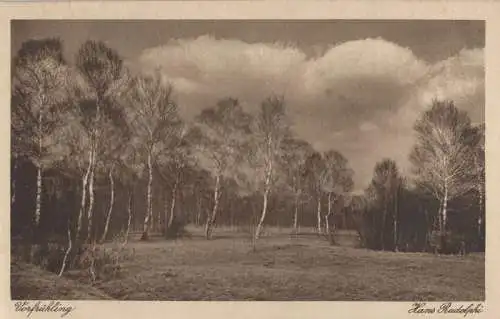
[221,133]
[295,154]
[316,173]
[170,166]
[443,162]
[77,139]
[479,161]
[115,140]
[155,122]
[71,143]
[475,138]
[129,172]
[102,69]
[336,182]
[39,89]
[271,128]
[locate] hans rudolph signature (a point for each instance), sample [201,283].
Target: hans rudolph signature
[40,306]
[446,308]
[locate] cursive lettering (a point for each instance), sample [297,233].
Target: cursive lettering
[420,307]
[446,308]
[40,306]
[465,310]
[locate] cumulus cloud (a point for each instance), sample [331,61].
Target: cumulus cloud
[367,59]
[360,97]
[205,69]
[459,78]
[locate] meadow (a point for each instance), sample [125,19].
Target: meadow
[281,268]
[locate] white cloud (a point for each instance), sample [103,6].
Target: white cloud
[360,97]
[208,69]
[459,78]
[369,58]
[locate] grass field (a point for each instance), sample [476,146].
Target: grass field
[282,268]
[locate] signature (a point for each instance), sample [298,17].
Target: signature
[447,308]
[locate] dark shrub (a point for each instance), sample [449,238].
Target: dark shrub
[177,229]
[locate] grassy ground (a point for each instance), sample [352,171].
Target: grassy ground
[30,282]
[284,268]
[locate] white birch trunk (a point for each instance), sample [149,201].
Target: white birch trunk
[329,232]
[90,211]
[129,210]
[262,216]
[66,254]
[111,203]
[211,221]
[172,205]
[296,215]
[395,221]
[38,195]
[38,198]
[165,213]
[264,205]
[444,218]
[145,232]
[85,179]
[198,214]
[95,138]
[318,214]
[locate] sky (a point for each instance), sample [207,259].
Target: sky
[352,86]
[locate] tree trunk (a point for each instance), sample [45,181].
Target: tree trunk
[296,215]
[111,203]
[395,221]
[262,216]
[318,212]
[330,232]
[90,210]
[152,223]
[198,214]
[211,220]
[129,210]
[382,230]
[85,179]
[444,220]
[38,196]
[440,219]
[480,189]
[165,213]
[172,205]
[145,232]
[68,251]
[264,205]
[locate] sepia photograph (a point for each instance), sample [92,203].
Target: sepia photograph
[247,160]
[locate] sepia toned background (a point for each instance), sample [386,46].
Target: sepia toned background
[366,11]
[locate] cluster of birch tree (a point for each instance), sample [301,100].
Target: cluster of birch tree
[440,207]
[97,150]
[91,136]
